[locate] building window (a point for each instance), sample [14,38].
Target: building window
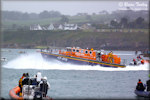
[68,49]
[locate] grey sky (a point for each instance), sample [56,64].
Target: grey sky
[65,7]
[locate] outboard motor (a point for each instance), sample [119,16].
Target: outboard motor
[38,94]
[28,91]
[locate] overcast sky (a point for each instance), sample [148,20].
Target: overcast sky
[68,7]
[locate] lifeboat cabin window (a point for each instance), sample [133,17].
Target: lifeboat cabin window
[77,50]
[81,51]
[86,52]
[90,52]
[68,49]
[73,50]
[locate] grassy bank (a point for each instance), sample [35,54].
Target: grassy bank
[97,40]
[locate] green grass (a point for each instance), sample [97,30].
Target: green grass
[76,38]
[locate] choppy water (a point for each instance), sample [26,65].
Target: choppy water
[73,81]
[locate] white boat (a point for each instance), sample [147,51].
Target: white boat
[3,59]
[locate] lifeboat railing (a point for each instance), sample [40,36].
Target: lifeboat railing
[123,61]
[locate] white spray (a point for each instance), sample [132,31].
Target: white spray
[35,61]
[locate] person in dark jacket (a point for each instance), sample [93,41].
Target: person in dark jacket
[26,80]
[99,56]
[148,84]
[140,86]
[34,82]
[134,61]
[44,86]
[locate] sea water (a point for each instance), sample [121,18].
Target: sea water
[73,81]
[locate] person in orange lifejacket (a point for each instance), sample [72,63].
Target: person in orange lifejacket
[20,83]
[140,86]
[142,61]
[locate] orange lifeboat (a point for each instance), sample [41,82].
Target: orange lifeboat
[13,93]
[77,55]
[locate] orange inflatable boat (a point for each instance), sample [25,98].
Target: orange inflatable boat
[14,93]
[27,93]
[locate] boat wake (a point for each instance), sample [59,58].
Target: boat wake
[35,61]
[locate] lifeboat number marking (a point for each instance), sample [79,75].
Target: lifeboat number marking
[62,58]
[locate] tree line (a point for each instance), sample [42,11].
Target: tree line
[125,23]
[116,19]
[15,15]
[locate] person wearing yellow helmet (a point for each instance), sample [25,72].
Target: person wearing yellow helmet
[110,57]
[20,83]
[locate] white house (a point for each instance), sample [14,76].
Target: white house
[51,27]
[55,27]
[35,27]
[44,28]
[70,26]
[86,26]
[60,27]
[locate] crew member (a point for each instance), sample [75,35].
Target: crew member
[99,55]
[44,86]
[142,61]
[136,52]
[26,80]
[39,77]
[110,57]
[20,83]
[139,58]
[34,81]
[134,61]
[140,86]
[148,84]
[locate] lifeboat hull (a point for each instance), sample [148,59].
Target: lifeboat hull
[78,61]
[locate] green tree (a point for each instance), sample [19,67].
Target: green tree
[139,22]
[64,19]
[124,22]
[44,14]
[114,24]
[25,16]
[88,17]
